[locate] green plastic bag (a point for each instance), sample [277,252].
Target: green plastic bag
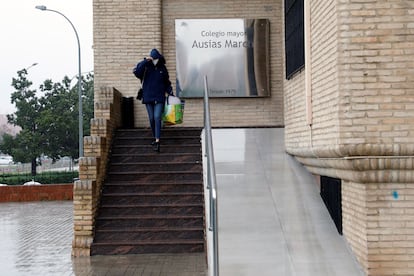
[173,111]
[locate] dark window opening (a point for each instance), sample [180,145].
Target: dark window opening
[294,37]
[332,197]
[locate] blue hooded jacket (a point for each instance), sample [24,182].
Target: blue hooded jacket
[155,79]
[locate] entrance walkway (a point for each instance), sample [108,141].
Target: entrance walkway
[271,222]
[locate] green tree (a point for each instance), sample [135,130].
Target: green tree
[28,143]
[60,118]
[49,124]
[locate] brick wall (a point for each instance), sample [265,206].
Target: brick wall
[378,223]
[125,31]
[376,43]
[362,100]
[361,64]
[92,168]
[36,193]
[354,219]
[324,83]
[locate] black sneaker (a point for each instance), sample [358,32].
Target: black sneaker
[156,146]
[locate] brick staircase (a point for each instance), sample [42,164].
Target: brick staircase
[152,202]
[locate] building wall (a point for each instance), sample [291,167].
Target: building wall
[362,81]
[47,192]
[324,132]
[362,123]
[376,68]
[125,32]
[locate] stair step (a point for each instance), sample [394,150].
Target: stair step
[166,132]
[152,242]
[148,217]
[154,167]
[121,187]
[172,176]
[175,141]
[147,248]
[165,149]
[154,182]
[151,209]
[160,198]
[146,221]
[172,157]
[149,234]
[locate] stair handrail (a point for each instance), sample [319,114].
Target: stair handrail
[211,179]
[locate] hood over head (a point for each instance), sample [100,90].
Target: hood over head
[155,54]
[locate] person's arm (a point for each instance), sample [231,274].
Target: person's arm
[167,82]
[139,69]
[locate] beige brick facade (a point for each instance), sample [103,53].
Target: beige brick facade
[361,55]
[361,77]
[125,31]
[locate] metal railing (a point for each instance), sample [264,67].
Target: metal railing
[211,181]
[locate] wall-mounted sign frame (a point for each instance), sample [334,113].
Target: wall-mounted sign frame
[232,53]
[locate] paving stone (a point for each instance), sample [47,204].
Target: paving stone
[36,239]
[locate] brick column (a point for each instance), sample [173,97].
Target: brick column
[92,169]
[378,224]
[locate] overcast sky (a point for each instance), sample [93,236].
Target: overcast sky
[29,35]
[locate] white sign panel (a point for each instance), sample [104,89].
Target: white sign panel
[232,53]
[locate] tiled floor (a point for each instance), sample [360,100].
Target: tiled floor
[271,222]
[36,238]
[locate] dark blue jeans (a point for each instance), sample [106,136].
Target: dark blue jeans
[155,111]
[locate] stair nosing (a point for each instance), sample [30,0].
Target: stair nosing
[151,138]
[152,217]
[150,242]
[153,194]
[156,163]
[152,205]
[163,145]
[152,154]
[160,182]
[155,229]
[158,172]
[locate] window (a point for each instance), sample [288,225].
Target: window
[294,37]
[331,193]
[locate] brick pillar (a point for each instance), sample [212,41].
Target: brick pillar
[354,219]
[83,215]
[92,168]
[378,221]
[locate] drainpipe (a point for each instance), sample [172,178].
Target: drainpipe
[308,69]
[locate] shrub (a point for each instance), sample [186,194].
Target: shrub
[43,178]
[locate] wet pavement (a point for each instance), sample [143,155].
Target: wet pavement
[272,221]
[37,240]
